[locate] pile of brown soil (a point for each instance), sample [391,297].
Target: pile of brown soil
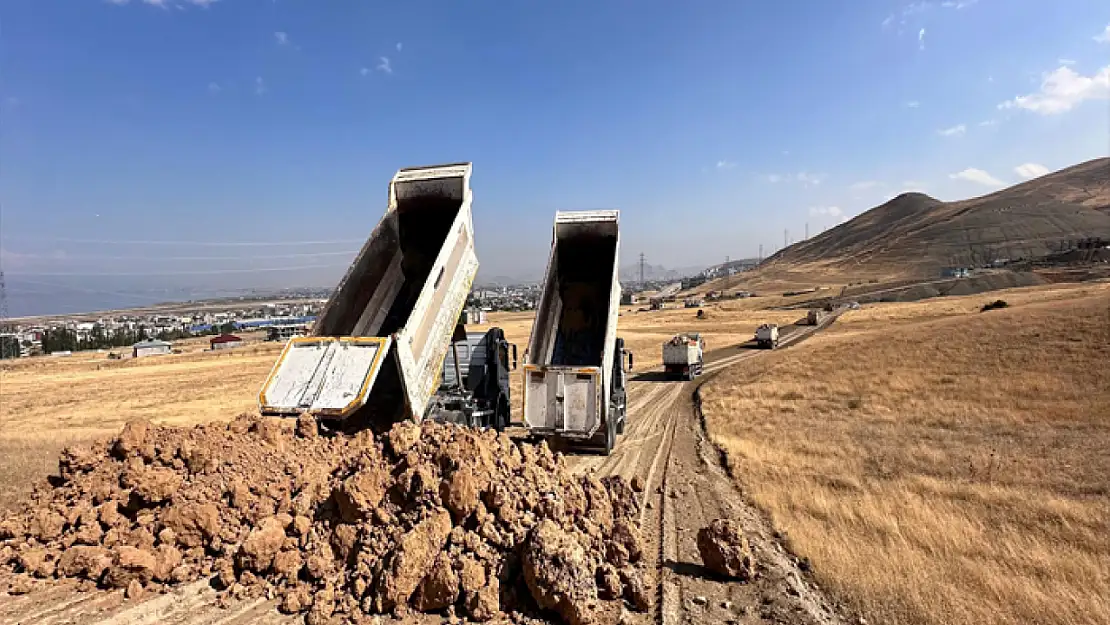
[431,517]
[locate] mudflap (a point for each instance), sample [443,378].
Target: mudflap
[620,409]
[602,442]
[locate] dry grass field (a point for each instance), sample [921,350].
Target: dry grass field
[48,403]
[937,464]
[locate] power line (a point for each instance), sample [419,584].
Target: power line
[193,258]
[204,243]
[203,272]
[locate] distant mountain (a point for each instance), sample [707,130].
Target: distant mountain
[630,272]
[915,235]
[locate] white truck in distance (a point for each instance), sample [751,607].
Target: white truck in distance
[767,336]
[684,356]
[376,351]
[574,367]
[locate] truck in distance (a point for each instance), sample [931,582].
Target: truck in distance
[814,316]
[684,356]
[375,353]
[574,366]
[767,336]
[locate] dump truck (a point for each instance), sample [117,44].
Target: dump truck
[767,336]
[684,356]
[814,316]
[574,367]
[375,353]
[474,388]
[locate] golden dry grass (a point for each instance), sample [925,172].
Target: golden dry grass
[937,464]
[47,403]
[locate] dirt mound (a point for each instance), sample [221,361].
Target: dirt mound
[431,517]
[725,550]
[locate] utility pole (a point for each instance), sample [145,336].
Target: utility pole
[761,253]
[807,231]
[641,270]
[728,273]
[785,238]
[3,303]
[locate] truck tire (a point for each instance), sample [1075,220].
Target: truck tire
[610,437]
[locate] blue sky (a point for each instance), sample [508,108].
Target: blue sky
[195,124]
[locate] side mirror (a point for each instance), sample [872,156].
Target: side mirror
[514,357]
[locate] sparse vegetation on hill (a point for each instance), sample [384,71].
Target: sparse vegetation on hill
[935,464]
[916,235]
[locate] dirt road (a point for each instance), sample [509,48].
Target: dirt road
[685,488]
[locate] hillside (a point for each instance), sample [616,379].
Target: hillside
[914,235]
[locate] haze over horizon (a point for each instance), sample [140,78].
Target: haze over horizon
[202,145]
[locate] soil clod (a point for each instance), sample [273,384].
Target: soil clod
[429,517]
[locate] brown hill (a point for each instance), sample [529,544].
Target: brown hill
[914,235]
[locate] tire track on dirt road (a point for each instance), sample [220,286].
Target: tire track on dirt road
[685,489]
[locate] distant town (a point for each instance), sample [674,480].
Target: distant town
[142,332]
[150,331]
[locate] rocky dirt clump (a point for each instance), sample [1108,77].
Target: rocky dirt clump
[431,517]
[725,550]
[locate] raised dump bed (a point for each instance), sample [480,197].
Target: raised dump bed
[574,375]
[375,353]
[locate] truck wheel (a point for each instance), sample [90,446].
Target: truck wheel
[620,424]
[610,437]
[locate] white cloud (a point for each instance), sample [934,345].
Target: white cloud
[725,165]
[831,211]
[913,104]
[259,86]
[384,65]
[1031,170]
[1104,36]
[804,178]
[977,176]
[957,4]
[364,71]
[1066,61]
[281,37]
[886,23]
[1063,89]
[912,186]
[864,185]
[214,88]
[166,4]
[921,38]
[989,122]
[954,131]
[808,179]
[399,46]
